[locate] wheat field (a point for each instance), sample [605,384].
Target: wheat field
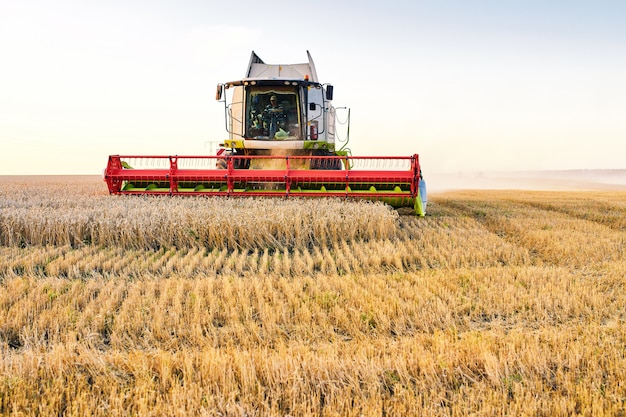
[496,303]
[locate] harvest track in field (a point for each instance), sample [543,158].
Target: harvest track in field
[497,302]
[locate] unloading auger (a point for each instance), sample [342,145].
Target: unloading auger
[281,143]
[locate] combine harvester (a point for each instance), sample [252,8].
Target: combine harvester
[281,126]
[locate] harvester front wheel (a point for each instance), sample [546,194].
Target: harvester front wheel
[238,163]
[334,164]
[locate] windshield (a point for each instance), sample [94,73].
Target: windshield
[273,113]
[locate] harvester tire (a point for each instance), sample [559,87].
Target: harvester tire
[237,163]
[331,164]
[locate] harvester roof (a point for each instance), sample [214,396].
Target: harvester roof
[257,69]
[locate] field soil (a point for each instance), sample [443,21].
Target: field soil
[501,301]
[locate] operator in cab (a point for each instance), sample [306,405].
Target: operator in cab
[273,117]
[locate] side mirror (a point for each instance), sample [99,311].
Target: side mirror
[312,106]
[329,92]
[219,91]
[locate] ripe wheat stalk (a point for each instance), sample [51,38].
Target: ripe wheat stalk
[491,305]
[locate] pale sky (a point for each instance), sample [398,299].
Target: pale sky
[469,85]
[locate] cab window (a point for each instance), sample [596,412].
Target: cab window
[272,113]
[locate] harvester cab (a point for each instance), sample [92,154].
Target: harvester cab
[280,110]
[282,142]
